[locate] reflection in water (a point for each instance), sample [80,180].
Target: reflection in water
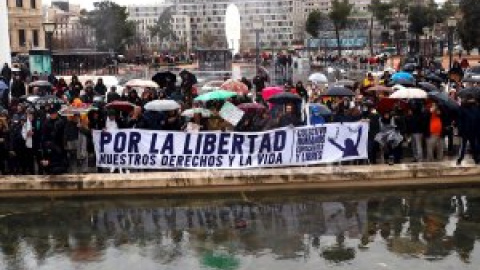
[356,232]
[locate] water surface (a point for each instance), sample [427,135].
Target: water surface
[417,229]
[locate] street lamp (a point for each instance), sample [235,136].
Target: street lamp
[426,33]
[49,27]
[257,25]
[451,23]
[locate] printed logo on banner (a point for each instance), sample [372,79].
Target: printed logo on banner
[348,147]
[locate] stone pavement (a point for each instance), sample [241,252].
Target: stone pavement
[251,180]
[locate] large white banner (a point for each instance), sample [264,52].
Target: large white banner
[145,149]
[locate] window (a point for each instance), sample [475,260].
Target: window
[35,38]
[21,38]
[19,3]
[33,4]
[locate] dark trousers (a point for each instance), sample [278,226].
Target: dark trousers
[373,148]
[27,161]
[473,142]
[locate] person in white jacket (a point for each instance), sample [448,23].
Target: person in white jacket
[28,156]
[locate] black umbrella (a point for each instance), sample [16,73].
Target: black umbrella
[432,77]
[339,91]
[469,92]
[187,75]
[471,80]
[409,67]
[443,99]
[40,84]
[284,97]
[428,87]
[164,78]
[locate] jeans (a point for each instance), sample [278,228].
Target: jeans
[473,146]
[417,146]
[435,145]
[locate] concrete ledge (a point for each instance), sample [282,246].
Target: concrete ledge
[224,181]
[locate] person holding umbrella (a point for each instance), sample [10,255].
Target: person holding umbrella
[434,134]
[468,121]
[289,117]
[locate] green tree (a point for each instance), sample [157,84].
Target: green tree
[312,25]
[163,29]
[402,9]
[382,12]
[447,10]
[339,15]
[112,29]
[468,29]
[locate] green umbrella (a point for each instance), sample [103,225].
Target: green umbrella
[216,260]
[216,95]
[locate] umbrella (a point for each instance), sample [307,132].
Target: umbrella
[215,95]
[40,84]
[72,110]
[379,88]
[469,92]
[402,76]
[50,99]
[403,82]
[162,105]
[434,78]
[211,86]
[32,98]
[444,99]
[285,97]
[428,87]
[267,92]
[319,108]
[474,79]
[142,83]
[347,83]
[164,78]
[388,104]
[339,91]
[251,107]
[123,106]
[235,86]
[409,93]
[318,78]
[192,112]
[409,67]
[187,75]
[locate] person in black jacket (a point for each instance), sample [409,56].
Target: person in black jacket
[18,87]
[468,121]
[16,145]
[100,88]
[53,161]
[113,95]
[302,91]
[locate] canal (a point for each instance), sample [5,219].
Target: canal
[405,229]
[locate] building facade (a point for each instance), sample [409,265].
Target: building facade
[69,33]
[25,22]
[207,19]
[147,16]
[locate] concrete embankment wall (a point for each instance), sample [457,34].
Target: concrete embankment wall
[225,181]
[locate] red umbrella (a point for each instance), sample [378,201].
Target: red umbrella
[251,107]
[123,106]
[268,92]
[388,104]
[235,86]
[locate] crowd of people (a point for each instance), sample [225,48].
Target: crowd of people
[38,137]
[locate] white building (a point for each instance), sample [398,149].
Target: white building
[146,16]
[207,18]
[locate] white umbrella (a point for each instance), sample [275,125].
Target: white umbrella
[408,93]
[193,111]
[162,105]
[32,98]
[210,87]
[142,83]
[318,78]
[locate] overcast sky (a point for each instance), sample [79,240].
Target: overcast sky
[88,4]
